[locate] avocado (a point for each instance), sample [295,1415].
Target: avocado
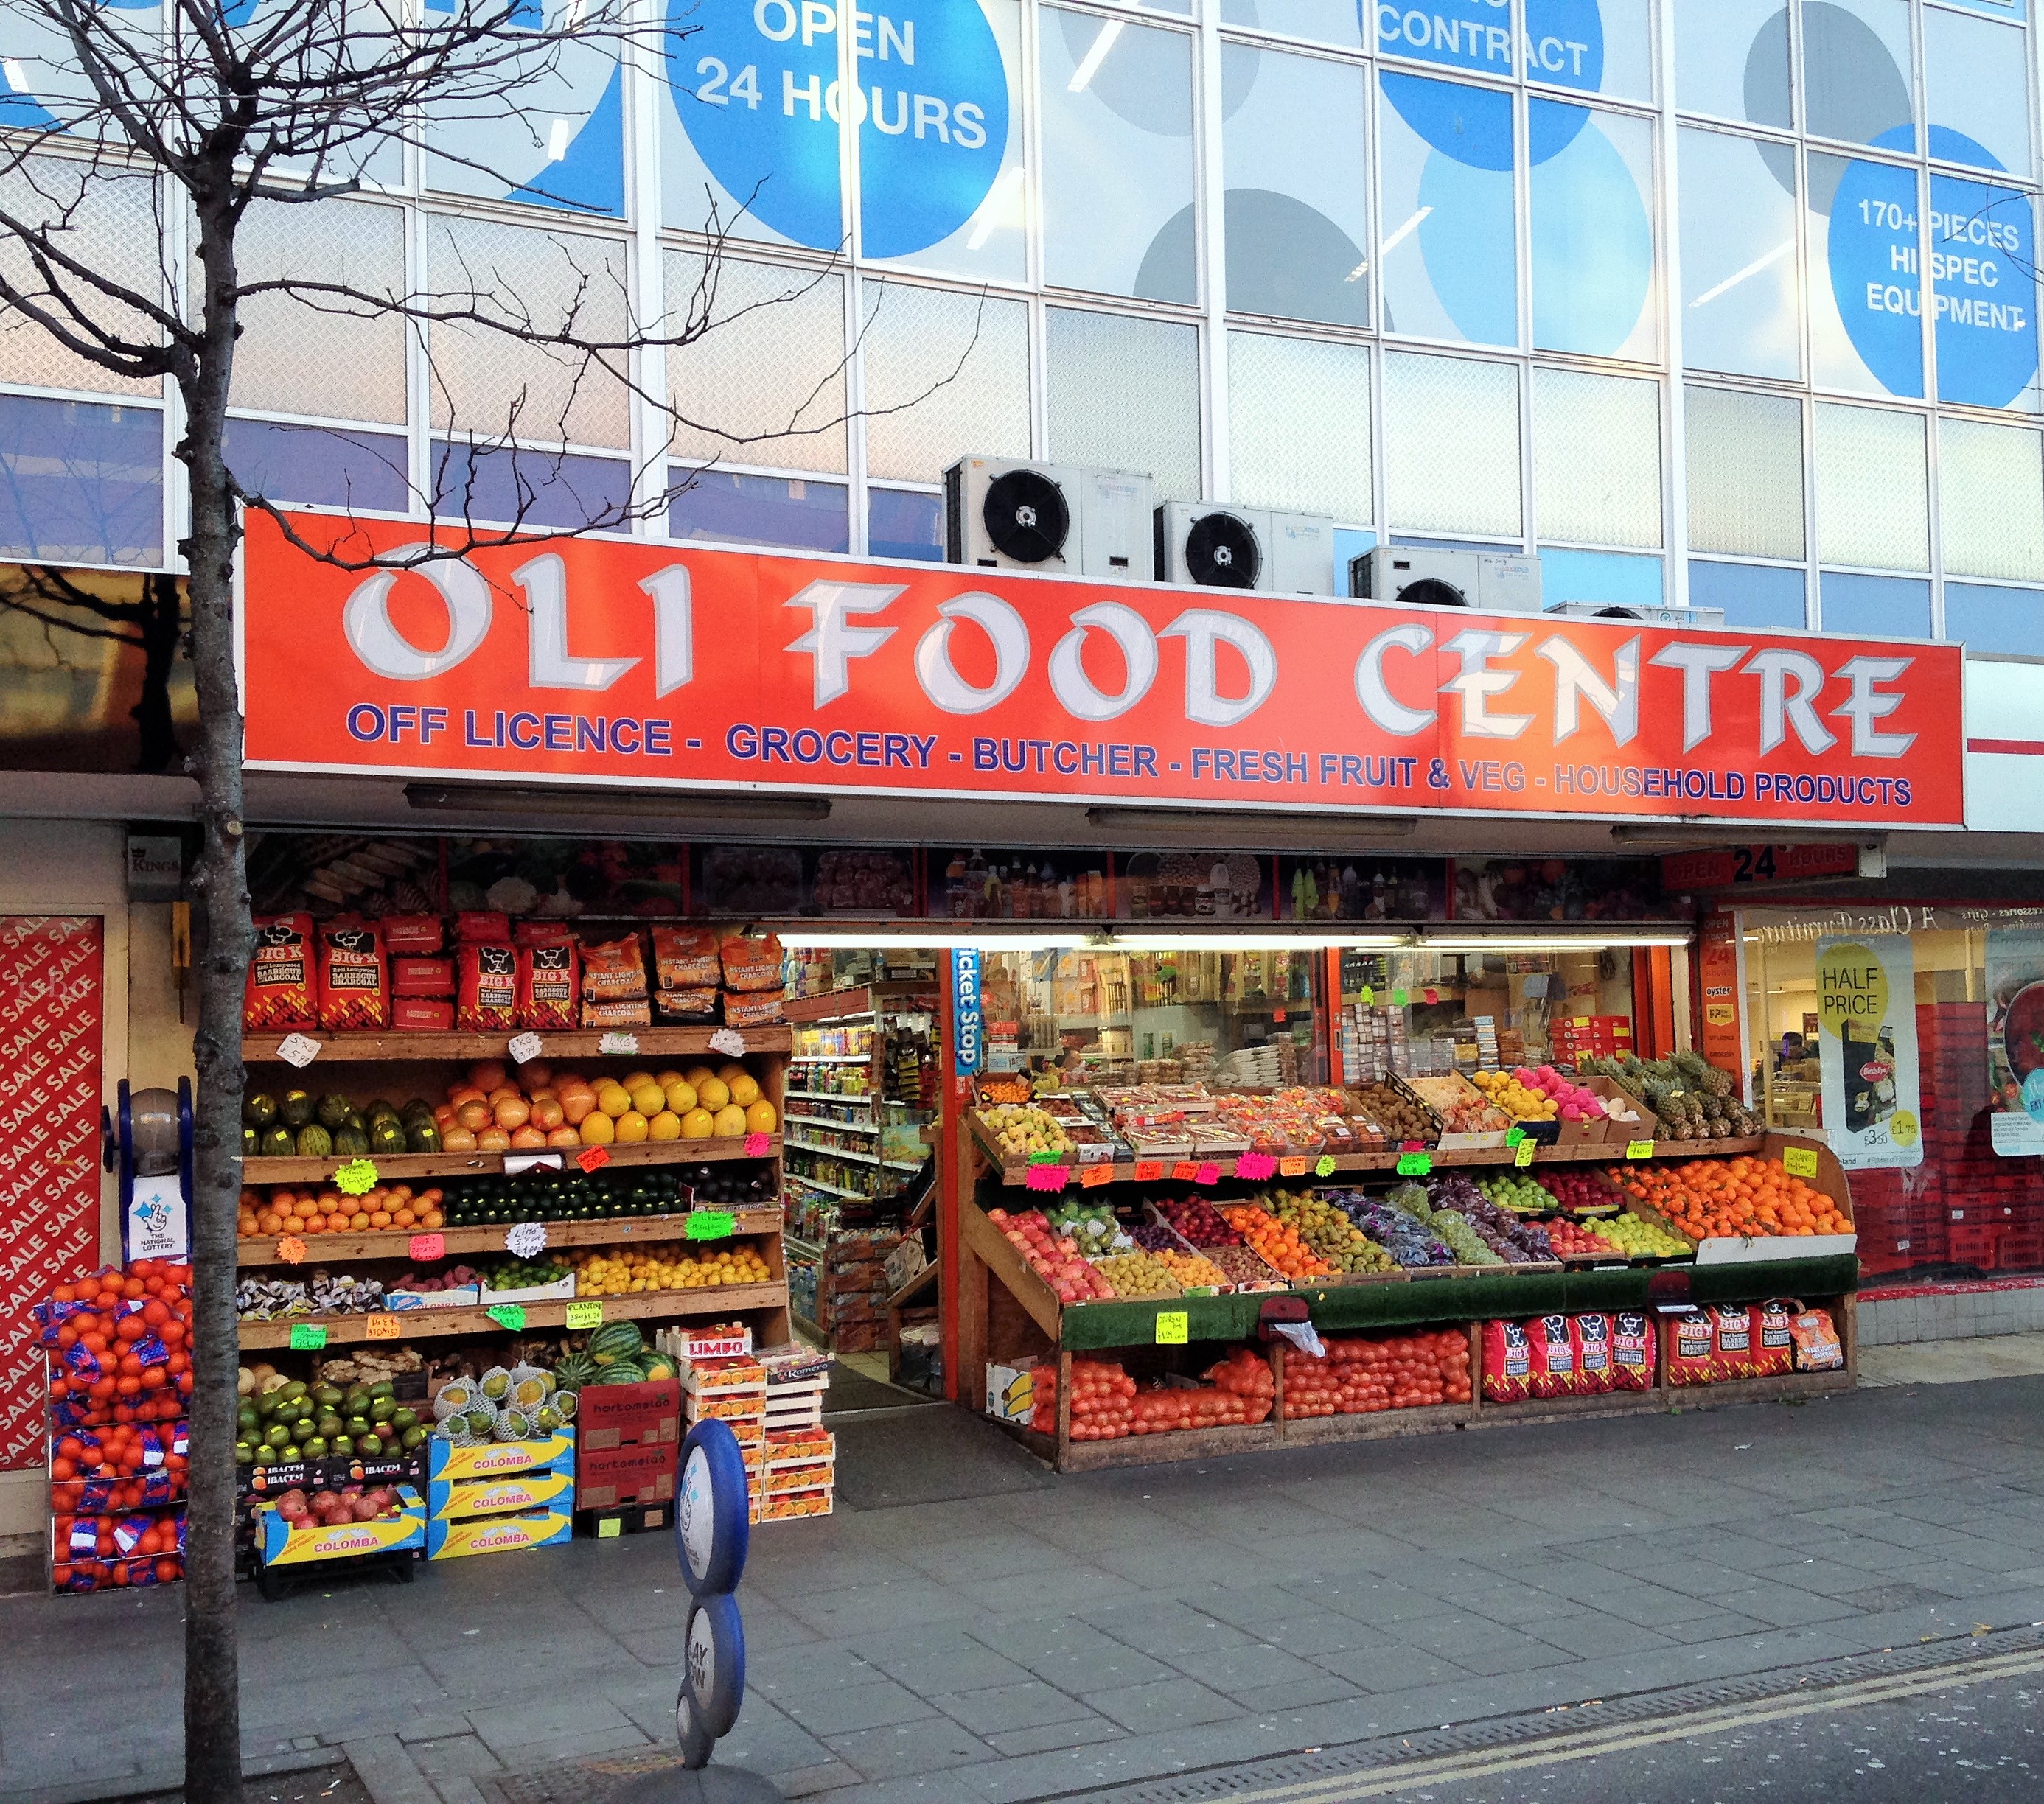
[412,1438]
[340,1447]
[383,1388]
[328,1396]
[316,1448]
[330,1425]
[404,1418]
[381,1409]
[246,1421]
[245,1453]
[291,1392]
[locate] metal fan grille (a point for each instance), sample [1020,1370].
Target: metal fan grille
[1221,553]
[1026,516]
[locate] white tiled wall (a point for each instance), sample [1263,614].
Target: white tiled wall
[1951,1316]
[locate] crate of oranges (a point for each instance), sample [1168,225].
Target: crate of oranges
[1277,1243]
[1742,1208]
[669,1265]
[308,1209]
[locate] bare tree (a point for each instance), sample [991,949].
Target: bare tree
[152,622]
[220,110]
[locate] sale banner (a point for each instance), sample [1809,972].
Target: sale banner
[617,662]
[1866,1039]
[52,1011]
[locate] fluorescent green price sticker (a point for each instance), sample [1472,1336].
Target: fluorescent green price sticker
[356,1178]
[1514,1135]
[1524,1155]
[1369,995]
[1173,1327]
[1415,1165]
[1639,1149]
[308,1337]
[1401,999]
[1326,1166]
[712,1224]
[1800,1161]
[588,1314]
[510,1315]
[609,1527]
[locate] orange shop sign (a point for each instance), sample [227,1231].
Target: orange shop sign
[622,661]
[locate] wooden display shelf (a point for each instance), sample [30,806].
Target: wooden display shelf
[1492,1157]
[261,1249]
[487,1165]
[654,1042]
[426,1324]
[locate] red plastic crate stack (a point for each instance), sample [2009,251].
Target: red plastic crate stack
[1575,1037]
[120,1376]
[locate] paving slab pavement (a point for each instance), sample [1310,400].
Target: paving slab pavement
[1005,1634]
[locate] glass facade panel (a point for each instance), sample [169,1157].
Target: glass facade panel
[329,358]
[1296,166]
[1983,275]
[1888,607]
[316,467]
[762,380]
[1597,458]
[1991,493]
[1447,256]
[901,522]
[1299,425]
[80,484]
[1593,232]
[1866,304]
[1872,505]
[1119,217]
[946,376]
[1753,595]
[1475,35]
[1858,73]
[1737,224]
[517,487]
[1975,82]
[724,506]
[1451,446]
[1745,472]
[1986,620]
[492,383]
[1097,361]
[1731,60]
[108,223]
[1315,19]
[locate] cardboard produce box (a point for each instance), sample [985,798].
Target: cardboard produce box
[610,1416]
[458,1500]
[279,1544]
[497,1534]
[626,1476]
[446,1463]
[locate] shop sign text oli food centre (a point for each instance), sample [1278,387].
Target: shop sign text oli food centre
[621,661]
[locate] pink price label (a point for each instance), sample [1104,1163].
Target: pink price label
[1257,1166]
[592,1158]
[428,1246]
[1208,1174]
[1045,1177]
[1411,1145]
[757,1146]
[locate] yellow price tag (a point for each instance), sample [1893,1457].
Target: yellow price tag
[1524,1155]
[1173,1327]
[1639,1149]
[587,1313]
[1800,1161]
[610,1529]
[382,1327]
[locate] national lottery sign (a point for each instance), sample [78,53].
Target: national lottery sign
[639,662]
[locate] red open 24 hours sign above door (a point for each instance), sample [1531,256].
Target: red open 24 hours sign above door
[620,662]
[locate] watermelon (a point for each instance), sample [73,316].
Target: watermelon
[622,1372]
[657,1366]
[615,1341]
[574,1371]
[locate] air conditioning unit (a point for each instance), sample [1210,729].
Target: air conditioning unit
[1212,547]
[1498,582]
[1052,518]
[1656,616]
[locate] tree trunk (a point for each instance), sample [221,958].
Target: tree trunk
[162,612]
[213,1716]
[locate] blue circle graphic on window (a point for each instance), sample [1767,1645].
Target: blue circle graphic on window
[1592,244]
[1564,44]
[1982,242]
[755,84]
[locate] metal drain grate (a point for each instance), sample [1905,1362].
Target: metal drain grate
[1215,1786]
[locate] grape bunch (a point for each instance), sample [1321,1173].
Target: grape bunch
[1515,1241]
[1463,1241]
[1411,1244]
